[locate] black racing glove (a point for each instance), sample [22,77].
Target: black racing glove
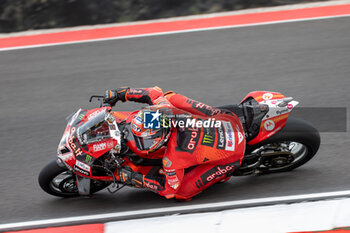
[113,96]
[130,177]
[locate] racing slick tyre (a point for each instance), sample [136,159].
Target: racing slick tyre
[58,181]
[289,148]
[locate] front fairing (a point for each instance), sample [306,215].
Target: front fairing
[79,154]
[64,150]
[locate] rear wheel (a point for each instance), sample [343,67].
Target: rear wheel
[288,149]
[58,181]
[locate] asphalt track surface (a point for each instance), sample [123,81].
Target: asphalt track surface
[40,87]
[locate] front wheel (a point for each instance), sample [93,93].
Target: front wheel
[288,149]
[58,181]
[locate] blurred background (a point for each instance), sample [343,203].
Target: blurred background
[20,15]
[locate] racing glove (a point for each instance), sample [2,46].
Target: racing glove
[128,176]
[113,96]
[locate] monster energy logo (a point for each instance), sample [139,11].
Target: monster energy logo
[88,159]
[208,138]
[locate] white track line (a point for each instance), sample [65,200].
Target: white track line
[167,210]
[173,32]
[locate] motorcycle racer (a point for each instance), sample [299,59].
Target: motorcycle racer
[195,156]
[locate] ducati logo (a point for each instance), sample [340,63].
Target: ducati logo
[240,137]
[269,125]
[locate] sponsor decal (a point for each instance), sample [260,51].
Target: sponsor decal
[166,162]
[169,170]
[136,91]
[82,165]
[269,125]
[240,135]
[221,140]
[193,140]
[208,137]
[230,136]
[187,139]
[290,106]
[76,168]
[102,146]
[208,140]
[217,172]
[92,115]
[81,116]
[138,120]
[151,120]
[135,128]
[99,147]
[267,96]
[274,102]
[203,108]
[173,182]
[71,141]
[151,186]
[88,159]
[171,173]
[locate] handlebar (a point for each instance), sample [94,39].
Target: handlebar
[101,99]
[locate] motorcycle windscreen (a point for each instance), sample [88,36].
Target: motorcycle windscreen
[95,130]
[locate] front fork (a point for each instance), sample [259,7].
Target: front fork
[82,183]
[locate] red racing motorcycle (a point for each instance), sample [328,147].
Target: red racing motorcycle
[95,144]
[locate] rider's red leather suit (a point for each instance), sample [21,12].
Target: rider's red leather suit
[194,158]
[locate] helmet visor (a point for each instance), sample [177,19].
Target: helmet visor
[148,142]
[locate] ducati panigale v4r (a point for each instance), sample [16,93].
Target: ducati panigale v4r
[89,155]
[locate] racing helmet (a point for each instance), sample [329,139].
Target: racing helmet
[148,128]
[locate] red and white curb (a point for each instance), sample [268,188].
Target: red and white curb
[301,217]
[313,216]
[269,217]
[293,13]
